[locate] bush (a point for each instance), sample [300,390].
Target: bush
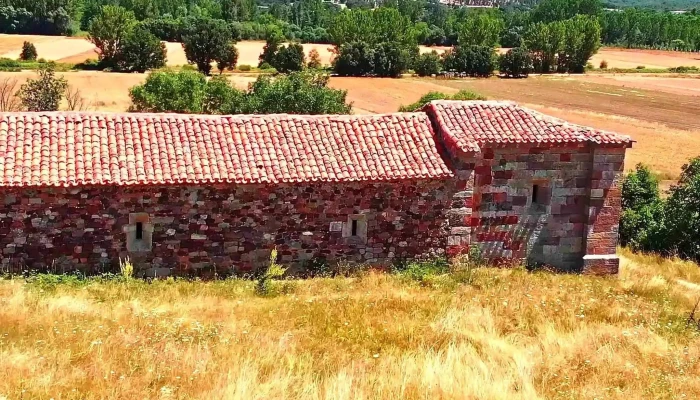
[166,91]
[478,61]
[428,64]
[89,65]
[244,67]
[684,69]
[190,92]
[422,271]
[265,285]
[516,63]
[9,65]
[430,96]
[641,67]
[603,64]
[28,52]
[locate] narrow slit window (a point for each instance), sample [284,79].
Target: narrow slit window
[535,194]
[139,231]
[353,230]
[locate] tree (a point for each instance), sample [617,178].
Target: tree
[140,51]
[581,42]
[682,213]
[480,29]
[289,58]
[372,26]
[390,60]
[428,64]
[166,91]
[228,59]
[479,61]
[44,93]
[544,42]
[28,52]
[354,59]
[560,10]
[272,45]
[314,60]
[108,29]
[206,40]
[516,63]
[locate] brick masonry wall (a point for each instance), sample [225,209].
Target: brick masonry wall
[509,227]
[202,230]
[603,211]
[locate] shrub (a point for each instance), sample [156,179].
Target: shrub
[41,61]
[305,92]
[422,271]
[642,210]
[516,63]
[314,60]
[44,93]
[684,69]
[9,65]
[430,96]
[265,285]
[89,65]
[190,92]
[28,52]
[641,67]
[603,64]
[166,91]
[244,67]
[428,64]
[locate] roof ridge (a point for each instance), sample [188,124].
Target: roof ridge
[208,116]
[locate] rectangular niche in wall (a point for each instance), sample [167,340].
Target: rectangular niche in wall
[139,233]
[356,228]
[540,196]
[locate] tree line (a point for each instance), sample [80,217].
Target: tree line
[315,21]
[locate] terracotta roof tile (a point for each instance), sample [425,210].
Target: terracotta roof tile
[471,124]
[70,149]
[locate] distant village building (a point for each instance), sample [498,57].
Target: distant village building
[198,195]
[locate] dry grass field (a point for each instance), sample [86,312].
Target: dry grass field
[506,334]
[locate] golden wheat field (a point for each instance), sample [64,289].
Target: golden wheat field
[494,334]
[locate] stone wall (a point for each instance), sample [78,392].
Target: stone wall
[202,230]
[509,225]
[603,211]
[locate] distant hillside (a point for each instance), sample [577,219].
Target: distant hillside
[670,5]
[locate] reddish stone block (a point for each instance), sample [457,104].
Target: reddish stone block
[565,157]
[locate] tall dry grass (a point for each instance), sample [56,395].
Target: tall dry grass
[509,334]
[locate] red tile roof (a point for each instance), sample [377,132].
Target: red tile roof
[471,124]
[70,149]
